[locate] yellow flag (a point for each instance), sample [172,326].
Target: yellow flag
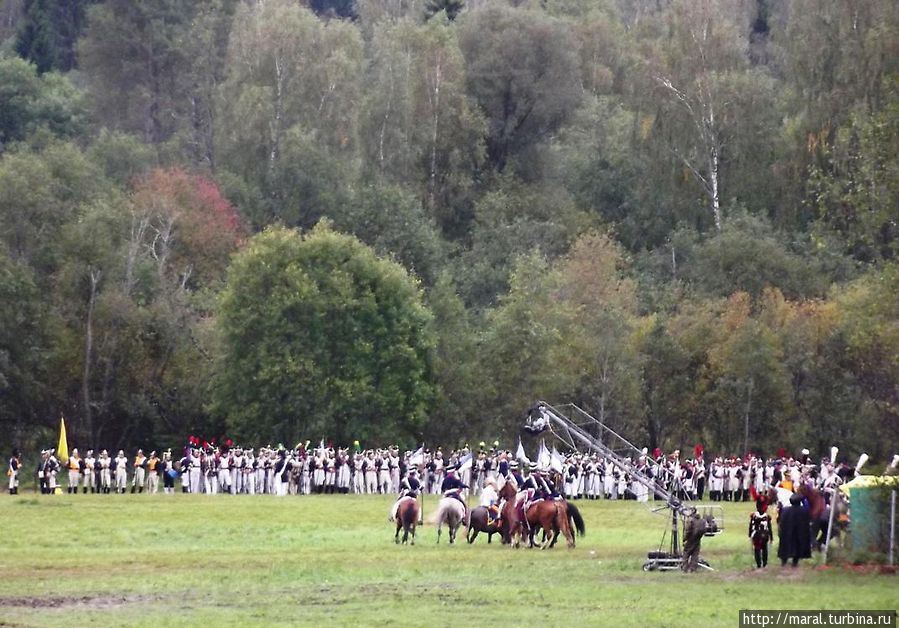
[62,449]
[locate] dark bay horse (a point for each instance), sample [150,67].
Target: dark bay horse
[479,523]
[819,514]
[406,519]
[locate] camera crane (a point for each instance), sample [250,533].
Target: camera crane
[579,430]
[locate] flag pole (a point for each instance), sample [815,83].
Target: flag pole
[420,472]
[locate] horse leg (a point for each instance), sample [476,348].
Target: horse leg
[472,534]
[439,528]
[396,537]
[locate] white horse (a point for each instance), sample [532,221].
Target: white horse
[451,511]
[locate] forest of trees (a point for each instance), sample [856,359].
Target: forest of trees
[410,219]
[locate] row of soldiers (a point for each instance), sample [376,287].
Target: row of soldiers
[325,469]
[96,473]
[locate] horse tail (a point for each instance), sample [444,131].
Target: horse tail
[576,518]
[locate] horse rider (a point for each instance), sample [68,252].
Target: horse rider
[409,487]
[452,487]
[545,487]
[490,501]
[515,475]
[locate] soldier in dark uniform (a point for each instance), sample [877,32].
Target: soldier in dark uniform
[515,474]
[409,487]
[15,463]
[452,486]
[760,531]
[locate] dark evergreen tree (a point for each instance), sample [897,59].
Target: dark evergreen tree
[452,8]
[49,31]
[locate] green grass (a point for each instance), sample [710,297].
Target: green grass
[330,560]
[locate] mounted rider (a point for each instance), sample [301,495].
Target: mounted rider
[452,487]
[410,487]
[490,501]
[515,475]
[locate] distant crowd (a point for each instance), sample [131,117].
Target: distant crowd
[305,470]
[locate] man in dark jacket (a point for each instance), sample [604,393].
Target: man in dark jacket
[794,533]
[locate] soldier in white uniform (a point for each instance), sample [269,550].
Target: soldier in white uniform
[74,468]
[393,466]
[53,468]
[140,471]
[330,471]
[717,480]
[343,471]
[224,465]
[194,471]
[105,463]
[249,472]
[153,467]
[89,479]
[439,469]
[358,473]
[237,465]
[608,480]
[120,467]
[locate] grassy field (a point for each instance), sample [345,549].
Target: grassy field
[330,560]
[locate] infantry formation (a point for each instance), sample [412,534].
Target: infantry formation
[305,470]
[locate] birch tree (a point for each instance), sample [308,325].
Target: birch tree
[695,69]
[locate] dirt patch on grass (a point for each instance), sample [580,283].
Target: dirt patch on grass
[79,602]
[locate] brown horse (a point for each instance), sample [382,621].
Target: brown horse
[550,515]
[406,520]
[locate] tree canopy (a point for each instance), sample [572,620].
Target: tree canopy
[322,337]
[408,220]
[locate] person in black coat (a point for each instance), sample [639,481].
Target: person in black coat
[795,532]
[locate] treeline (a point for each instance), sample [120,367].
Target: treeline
[679,214]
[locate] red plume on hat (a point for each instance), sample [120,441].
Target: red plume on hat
[193,440]
[228,442]
[656,452]
[697,451]
[781,453]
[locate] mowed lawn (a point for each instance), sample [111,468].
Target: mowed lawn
[221,560]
